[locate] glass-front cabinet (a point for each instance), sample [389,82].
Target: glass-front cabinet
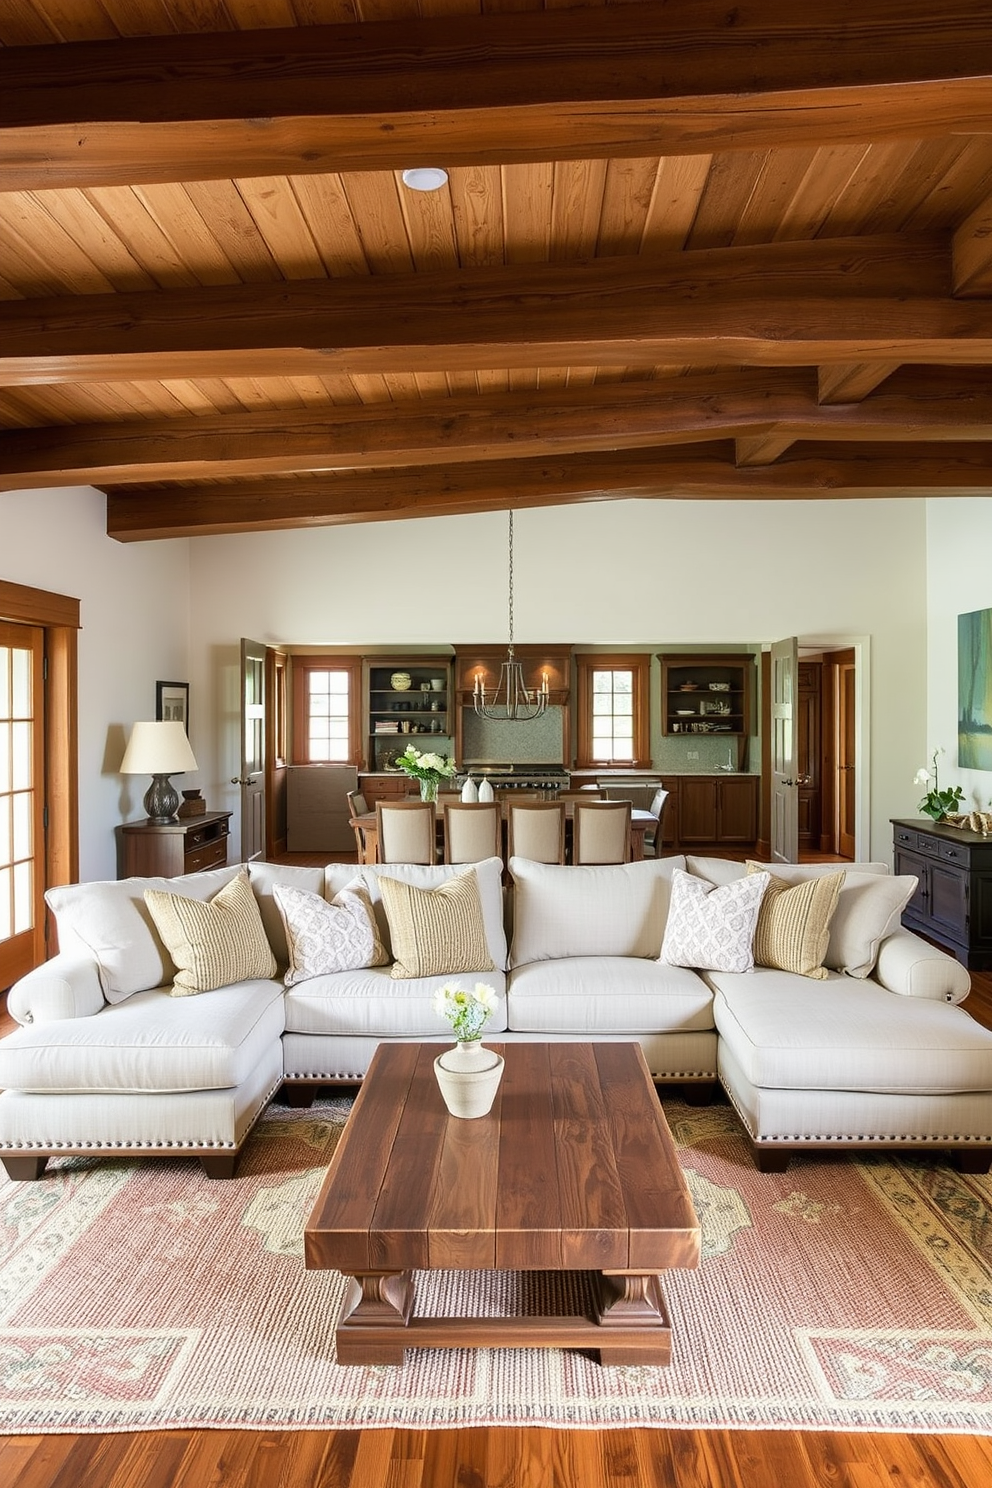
[408,701]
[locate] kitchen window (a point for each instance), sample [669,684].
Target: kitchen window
[612,710]
[326,711]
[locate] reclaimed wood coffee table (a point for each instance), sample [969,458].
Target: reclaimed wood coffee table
[573,1170]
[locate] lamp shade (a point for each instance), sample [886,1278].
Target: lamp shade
[158,749]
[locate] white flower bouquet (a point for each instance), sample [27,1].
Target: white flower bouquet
[467,1012]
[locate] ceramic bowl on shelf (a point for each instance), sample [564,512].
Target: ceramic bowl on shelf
[689,687]
[401,681]
[684,712]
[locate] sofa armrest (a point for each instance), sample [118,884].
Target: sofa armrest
[914,968]
[68,986]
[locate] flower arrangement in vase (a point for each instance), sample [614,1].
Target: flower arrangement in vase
[937,803]
[430,769]
[468,1075]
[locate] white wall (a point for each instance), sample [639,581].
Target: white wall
[135,630]
[959,537]
[610,573]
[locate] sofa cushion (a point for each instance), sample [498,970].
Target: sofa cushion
[713,928]
[607,994]
[488,877]
[323,938]
[726,870]
[912,967]
[617,909]
[264,877]
[213,944]
[793,928]
[436,932]
[151,1042]
[113,922]
[868,908]
[371,1002]
[843,1034]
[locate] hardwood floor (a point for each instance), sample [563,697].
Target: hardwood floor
[502,1458]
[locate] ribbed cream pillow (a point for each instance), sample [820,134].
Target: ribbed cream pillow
[214,943]
[793,929]
[435,932]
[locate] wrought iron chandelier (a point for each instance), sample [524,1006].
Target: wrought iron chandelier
[513,701]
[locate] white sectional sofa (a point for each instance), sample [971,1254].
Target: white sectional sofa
[106,1060]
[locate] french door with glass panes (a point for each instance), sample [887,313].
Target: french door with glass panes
[22,805]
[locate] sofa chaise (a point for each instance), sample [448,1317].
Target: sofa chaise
[874,1053]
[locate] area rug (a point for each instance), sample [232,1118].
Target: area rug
[844,1294]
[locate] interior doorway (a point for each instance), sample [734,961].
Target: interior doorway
[832,752]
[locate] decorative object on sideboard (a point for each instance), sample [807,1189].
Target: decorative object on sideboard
[937,804]
[159,749]
[519,704]
[193,804]
[468,1075]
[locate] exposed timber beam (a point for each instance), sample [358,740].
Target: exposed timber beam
[694,472]
[972,253]
[779,304]
[625,81]
[765,411]
[842,383]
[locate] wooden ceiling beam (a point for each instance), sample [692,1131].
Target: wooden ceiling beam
[778,304]
[695,472]
[764,411]
[850,383]
[972,253]
[492,89]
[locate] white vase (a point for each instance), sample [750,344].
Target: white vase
[468,1077]
[485,791]
[470,791]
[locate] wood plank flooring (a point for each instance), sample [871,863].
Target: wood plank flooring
[502,1458]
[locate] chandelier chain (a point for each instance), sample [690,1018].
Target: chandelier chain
[511,581]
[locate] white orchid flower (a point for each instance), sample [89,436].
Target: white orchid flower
[922,777]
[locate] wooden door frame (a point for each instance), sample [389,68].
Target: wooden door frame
[58,617]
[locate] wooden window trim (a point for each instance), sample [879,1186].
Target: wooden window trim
[302,666]
[638,662]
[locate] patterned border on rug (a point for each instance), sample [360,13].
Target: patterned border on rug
[848,1293]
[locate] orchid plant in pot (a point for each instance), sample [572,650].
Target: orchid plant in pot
[937,804]
[430,769]
[468,1075]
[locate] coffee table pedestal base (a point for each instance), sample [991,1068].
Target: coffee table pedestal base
[628,1325]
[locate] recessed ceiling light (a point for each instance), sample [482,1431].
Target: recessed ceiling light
[425,178]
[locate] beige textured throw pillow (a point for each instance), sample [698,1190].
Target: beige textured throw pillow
[793,929]
[327,937]
[214,943]
[435,932]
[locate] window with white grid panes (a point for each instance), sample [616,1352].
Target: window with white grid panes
[21,785]
[329,716]
[613,714]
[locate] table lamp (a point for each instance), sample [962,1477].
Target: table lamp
[159,750]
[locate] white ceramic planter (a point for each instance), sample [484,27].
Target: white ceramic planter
[468,1077]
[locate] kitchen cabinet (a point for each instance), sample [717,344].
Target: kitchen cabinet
[382,787]
[707,695]
[169,849]
[953,903]
[408,700]
[717,810]
[318,815]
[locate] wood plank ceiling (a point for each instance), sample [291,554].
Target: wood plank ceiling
[685,250]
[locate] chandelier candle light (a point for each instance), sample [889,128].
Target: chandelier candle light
[468,1075]
[518,703]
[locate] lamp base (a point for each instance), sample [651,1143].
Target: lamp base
[161,801]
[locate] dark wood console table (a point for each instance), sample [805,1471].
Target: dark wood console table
[147,849]
[953,904]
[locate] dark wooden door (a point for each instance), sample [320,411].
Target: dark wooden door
[697,810]
[847,760]
[252,778]
[784,790]
[737,810]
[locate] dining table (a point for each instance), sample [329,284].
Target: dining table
[640,822]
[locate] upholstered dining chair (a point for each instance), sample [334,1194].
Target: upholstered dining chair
[473,830]
[601,832]
[358,806]
[407,831]
[536,830]
[652,838]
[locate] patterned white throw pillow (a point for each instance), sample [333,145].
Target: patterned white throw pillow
[712,929]
[326,937]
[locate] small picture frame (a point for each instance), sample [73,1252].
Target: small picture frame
[172,703]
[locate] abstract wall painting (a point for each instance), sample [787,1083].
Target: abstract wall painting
[975,690]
